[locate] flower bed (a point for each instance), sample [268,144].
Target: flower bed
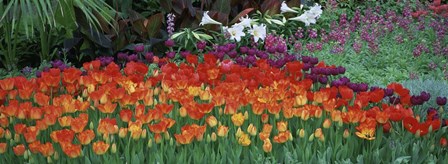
[111,115]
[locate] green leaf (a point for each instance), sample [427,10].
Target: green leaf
[153,24]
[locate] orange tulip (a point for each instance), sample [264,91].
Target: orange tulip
[222,131]
[2,132]
[238,119]
[211,121]
[19,150]
[107,107]
[264,118]
[34,146]
[184,138]
[158,127]
[126,115]
[252,130]
[100,147]
[19,128]
[3,147]
[71,150]
[4,122]
[78,124]
[244,140]
[108,125]
[282,137]
[136,129]
[165,108]
[326,123]
[85,137]
[267,145]
[65,121]
[46,149]
[282,126]
[7,84]
[31,134]
[35,113]
[64,135]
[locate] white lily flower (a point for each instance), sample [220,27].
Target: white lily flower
[245,21]
[284,8]
[306,18]
[207,20]
[316,10]
[259,32]
[236,32]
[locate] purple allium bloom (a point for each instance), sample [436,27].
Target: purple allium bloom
[251,51]
[57,63]
[271,50]
[310,47]
[149,57]
[184,53]
[122,56]
[132,57]
[441,101]
[312,33]
[306,59]
[244,49]
[232,54]
[250,59]
[38,74]
[201,45]
[281,48]
[171,54]
[323,80]
[27,70]
[357,47]
[139,48]
[169,43]
[314,61]
[341,69]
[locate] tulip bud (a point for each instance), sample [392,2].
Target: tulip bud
[311,138]
[208,138]
[166,135]
[26,154]
[318,132]
[158,138]
[246,115]
[290,137]
[183,112]
[322,138]
[144,133]
[113,148]
[16,138]
[220,111]
[239,132]
[346,133]
[91,126]
[8,134]
[171,142]
[301,133]
[211,121]
[264,118]
[327,123]
[150,143]
[49,160]
[214,137]
[252,130]
[56,155]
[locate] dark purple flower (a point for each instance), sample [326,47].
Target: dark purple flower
[122,56]
[425,96]
[27,70]
[363,87]
[341,69]
[441,101]
[251,59]
[139,48]
[239,60]
[149,56]
[388,92]
[232,54]
[201,45]
[171,54]
[251,52]
[57,63]
[394,100]
[244,49]
[314,61]
[184,53]
[416,100]
[323,80]
[132,57]
[169,43]
[306,59]
[38,74]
